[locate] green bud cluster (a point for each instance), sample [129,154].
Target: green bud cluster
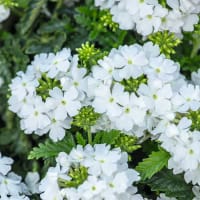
[127,143]
[106,20]
[132,85]
[195,117]
[46,84]
[166,41]
[8,3]
[89,55]
[86,118]
[78,175]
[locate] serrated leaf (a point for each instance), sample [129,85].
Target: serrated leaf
[107,137]
[80,139]
[153,164]
[51,149]
[172,185]
[31,15]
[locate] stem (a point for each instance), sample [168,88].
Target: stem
[58,6]
[196,45]
[89,134]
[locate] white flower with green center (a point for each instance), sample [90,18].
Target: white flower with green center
[106,101]
[187,98]
[162,69]
[65,103]
[59,63]
[133,112]
[23,85]
[157,98]
[35,117]
[11,185]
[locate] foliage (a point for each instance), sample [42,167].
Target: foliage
[172,185]
[51,149]
[153,164]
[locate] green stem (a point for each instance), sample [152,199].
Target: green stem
[196,45]
[89,136]
[58,6]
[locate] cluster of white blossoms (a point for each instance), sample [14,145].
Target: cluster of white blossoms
[91,173]
[11,185]
[136,90]
[148,16]
[48,94]
[132,88]
[4,13]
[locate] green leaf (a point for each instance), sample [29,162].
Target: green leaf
[80,139]
[107,137]
[52,149]
[153,164]
[33,11]
[172,185]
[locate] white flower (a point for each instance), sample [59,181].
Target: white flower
[23,85]
[56,128]
[4,13]
[133,112]
[35,116]
[106,101]
[133,60]
[162,69]
[10,185]
[91,187]
[49,186]
[164,197]
[105,3]
[60,62]
[65,103]
[196,77]
[187,98]
[32,182]
[157,97]
[5,164]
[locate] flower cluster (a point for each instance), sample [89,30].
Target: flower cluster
[11,187]
[134,89]
[147,16]
[49,94]
[91,173]
[4,13]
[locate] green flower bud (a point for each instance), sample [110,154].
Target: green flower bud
[86,118]
[195,117]
[77,174]
[89,55]
[166,41]
[127,143]
[8,3]
[132,85]
[106,20]
[46,84]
